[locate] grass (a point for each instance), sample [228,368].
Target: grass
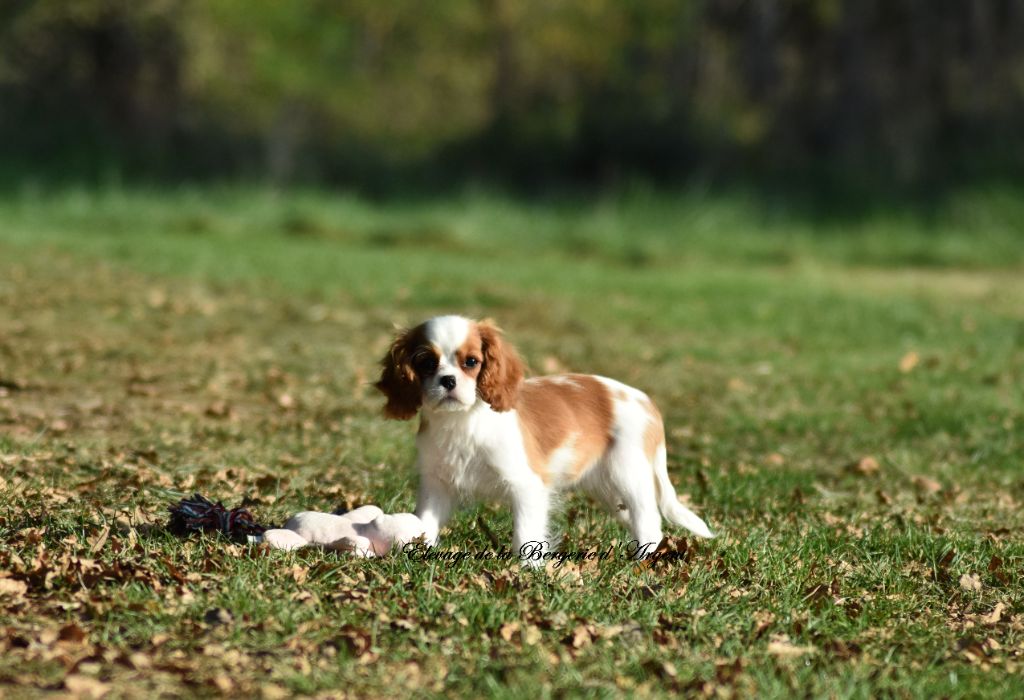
[223,340]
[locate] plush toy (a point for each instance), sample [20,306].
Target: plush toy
[367,531]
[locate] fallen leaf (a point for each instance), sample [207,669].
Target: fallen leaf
[508,630]
[217,616]
[909,361]
[299,573]
[139,661]
[97,542]
[782,647]
[223,683]
[72,633]
[738,385]
[580,637]
[926,485]
[996,615]
[973,650]
[970,582]
[531,635]
[865,466]
[82,686]
[762,621]
[727,672]
[218,409]
[12,587]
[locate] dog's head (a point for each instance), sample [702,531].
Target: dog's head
[449,363]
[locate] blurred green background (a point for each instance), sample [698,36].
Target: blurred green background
[815,96]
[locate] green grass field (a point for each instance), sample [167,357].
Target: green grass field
[842,397]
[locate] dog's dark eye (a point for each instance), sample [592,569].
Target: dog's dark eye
[471,362]
[425,364]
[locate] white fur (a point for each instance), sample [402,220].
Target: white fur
[447,334]
[467,450]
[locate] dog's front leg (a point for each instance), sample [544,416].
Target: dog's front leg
[530,506]
[433,505]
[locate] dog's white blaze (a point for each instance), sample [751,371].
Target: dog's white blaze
[448,333]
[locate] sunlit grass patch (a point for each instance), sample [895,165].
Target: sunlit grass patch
[852,430]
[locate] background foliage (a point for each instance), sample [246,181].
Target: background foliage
[533,91]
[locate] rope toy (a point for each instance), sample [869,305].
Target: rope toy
[200,514]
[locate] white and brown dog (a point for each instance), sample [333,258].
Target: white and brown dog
[485,432]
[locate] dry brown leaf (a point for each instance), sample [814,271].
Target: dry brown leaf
[139,661]
[218,409]
[763,619]
[12,587]
[299,573]
[865,466]
[531,635]
[96,543]
[738,385]
[223,683]
[72,633]
[909,361]
[926,485]
[970,582]
[217,616]
[782,647]
[581,637]
[82,686]
[995,616]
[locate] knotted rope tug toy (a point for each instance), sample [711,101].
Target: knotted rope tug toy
[200,514]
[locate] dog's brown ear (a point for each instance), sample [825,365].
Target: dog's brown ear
[398,380]
[502,370]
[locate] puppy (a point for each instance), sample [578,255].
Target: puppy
[485,432]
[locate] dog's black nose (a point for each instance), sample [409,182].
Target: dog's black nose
[448,382]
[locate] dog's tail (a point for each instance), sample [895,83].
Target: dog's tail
[668,502]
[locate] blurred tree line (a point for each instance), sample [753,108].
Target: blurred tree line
[523,91]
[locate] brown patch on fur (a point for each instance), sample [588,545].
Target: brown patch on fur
[501,372]
[654,433]
[473,346]
[399,381]
[553,411]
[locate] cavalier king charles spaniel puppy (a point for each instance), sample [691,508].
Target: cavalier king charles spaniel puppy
[486,432]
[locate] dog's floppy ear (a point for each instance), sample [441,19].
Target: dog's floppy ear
[398,380]
[502,370]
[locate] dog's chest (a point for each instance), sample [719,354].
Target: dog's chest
[458,454]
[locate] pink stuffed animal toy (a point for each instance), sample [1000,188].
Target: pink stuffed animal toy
[366,531]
